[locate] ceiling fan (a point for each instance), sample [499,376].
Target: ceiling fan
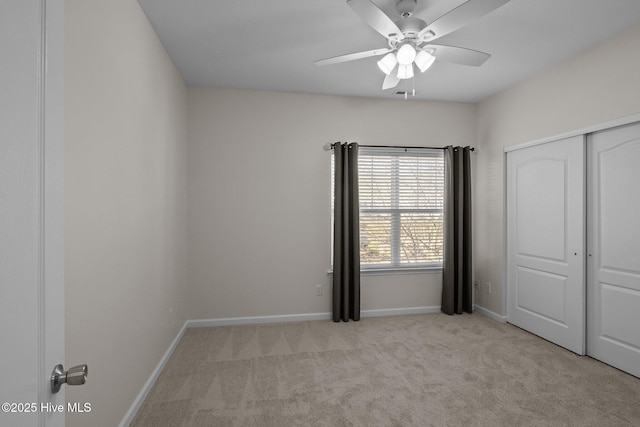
[410,38]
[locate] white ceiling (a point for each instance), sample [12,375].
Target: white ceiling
[272,44]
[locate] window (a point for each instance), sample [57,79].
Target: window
[401,207]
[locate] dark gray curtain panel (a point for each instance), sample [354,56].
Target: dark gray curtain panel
[456,268]
[346,234]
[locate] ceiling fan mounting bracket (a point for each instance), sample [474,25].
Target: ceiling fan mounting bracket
[406,7]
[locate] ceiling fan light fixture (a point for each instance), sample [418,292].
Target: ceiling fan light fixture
[406,54]
[424,60]
[388,63]
[405,71]
[407,37]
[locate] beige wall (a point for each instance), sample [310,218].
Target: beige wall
[125,198]
[259,196]
[593,87]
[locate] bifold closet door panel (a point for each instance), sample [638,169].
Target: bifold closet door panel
[613,287]
[545,241]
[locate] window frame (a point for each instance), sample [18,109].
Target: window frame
[395,266]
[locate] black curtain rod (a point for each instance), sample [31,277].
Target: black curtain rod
[405,147]
[398,146]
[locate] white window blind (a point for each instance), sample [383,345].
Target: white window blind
[401,207]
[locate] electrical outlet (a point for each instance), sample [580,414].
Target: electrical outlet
[318,290]
[488,287]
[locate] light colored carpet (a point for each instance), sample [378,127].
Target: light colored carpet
[419,370]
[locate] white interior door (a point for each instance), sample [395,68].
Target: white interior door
[613,295]
[31,210]
[545,241]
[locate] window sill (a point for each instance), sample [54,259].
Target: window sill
[393,271]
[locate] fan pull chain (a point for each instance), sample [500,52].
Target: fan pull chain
[413,86]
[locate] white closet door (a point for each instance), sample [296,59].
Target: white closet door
[545,241]
[613,325]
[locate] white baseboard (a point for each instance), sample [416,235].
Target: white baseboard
[139,400]
[227,321]
[495,316]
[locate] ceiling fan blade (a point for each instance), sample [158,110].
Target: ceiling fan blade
[375,17]
[353,56]
[459,17]
[458,55]
[390,81]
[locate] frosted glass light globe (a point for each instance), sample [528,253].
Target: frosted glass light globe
[388,63]
[406,54]
[405,71]
[424,60]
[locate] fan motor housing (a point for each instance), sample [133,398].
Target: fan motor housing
[410,27]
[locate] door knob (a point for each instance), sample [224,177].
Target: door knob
[74,376]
